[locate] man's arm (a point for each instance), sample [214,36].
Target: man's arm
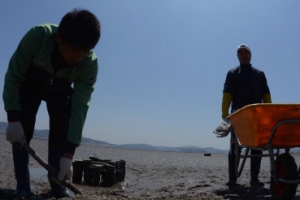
[227,98]
[266,95]
[227,94]
[267,98]
[18,65]
[81,97]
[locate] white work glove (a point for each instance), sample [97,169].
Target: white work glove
[66,169]
[222,134]
[223,129]
[15,133]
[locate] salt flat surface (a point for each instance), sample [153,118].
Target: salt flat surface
[149,175]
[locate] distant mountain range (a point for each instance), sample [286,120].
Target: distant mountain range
[43,134]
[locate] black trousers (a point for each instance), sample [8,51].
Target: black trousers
[59,110]
[254,161]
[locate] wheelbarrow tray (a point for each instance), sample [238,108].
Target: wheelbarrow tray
[253,125]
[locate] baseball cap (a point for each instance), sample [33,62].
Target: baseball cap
[244,46]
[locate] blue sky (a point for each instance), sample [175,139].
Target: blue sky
[163,63]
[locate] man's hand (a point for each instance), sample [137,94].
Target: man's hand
[223,129]
[222,134]
[66,169]
[15,133]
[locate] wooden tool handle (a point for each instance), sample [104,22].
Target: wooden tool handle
[51,170]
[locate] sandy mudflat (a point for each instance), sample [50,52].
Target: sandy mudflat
[149,175]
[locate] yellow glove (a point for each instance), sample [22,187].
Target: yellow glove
[267,98]
[227,97]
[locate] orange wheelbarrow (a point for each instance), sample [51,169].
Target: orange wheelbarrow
[267,126]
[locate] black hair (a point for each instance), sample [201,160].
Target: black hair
[80,28]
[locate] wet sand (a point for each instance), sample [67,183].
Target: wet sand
[149,175]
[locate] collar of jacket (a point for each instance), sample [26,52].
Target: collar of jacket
[57,60]
[246,66]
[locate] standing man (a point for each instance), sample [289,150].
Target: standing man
[55,64]
[244,85]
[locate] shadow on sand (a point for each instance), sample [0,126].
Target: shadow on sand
[244,192]
[6,194]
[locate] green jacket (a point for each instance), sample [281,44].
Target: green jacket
[35,48]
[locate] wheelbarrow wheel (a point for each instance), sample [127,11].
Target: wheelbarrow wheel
[286,168]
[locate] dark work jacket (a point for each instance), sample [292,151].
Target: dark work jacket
[246,84]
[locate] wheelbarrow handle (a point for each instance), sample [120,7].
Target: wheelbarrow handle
[51,170]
